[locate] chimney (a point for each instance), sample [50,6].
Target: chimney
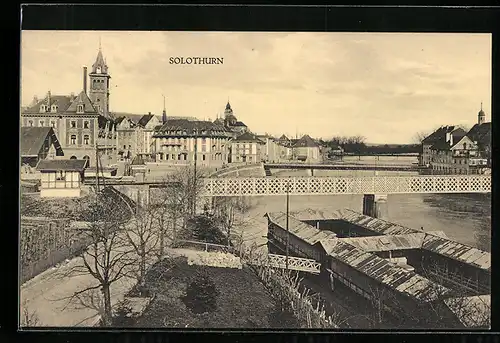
[48,98]
[85,80]
[451,139]
[447,137]
[149,113]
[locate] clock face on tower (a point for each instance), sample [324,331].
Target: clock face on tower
[98,70]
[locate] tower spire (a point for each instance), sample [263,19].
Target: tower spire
[100,43]
[481,105]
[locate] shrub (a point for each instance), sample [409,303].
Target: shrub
[122,317]
[201,293]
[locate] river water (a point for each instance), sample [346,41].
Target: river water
[465,218]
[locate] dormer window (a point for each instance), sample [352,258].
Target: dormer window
[79,108]
[53,108]
[43,108]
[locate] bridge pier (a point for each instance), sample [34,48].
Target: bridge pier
[310,172]
[375,205]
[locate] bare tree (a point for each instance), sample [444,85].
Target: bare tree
[108,258]
[420,136]
[177,201]
[29,318]
[230,212]
[144,235]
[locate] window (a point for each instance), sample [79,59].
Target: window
[86,139]
[79,108]
[130,146]
[73,139]
[73,124]
[53,123]
[30,122]
[53,108]
[41,122]
[203,157]
[124,146]
[60,175]
[43,108]
[85,124]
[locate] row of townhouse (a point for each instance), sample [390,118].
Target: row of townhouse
[452,150]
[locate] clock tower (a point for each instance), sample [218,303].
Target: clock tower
[99,85]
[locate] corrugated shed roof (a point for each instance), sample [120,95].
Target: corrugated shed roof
[376,225]
[473,311]
[67,165]
[387,243]
[322,214]
[390,274]
[458,251]
[307,233]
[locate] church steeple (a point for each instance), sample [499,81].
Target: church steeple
[99,65]
[99,84]
[481,116]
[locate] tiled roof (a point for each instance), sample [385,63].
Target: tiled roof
[239,123]
[82,98]
[306,142]
[440,134]
[32,139]
[184,127]
[145,119]
[62,102]
[247,137]
[283,138]
[481,133]
[67,165]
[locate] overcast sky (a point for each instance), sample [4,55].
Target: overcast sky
[384,87]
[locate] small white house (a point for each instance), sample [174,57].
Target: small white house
[61,178]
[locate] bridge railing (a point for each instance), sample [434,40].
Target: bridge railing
[255,186]
[203,246]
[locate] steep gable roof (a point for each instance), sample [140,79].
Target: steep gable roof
[440,134]
[32,139]
[306,142]
[62,102]
[481,133]
[189,127]
[247,137]
[145,119]
[82,98]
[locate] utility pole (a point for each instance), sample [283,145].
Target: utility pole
[97,168]
[195,162]
[287,211]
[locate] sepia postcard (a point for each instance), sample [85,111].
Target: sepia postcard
[215,180]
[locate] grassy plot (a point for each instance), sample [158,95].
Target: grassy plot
[241,300]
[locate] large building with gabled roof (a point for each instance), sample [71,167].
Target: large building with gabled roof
[80,121]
